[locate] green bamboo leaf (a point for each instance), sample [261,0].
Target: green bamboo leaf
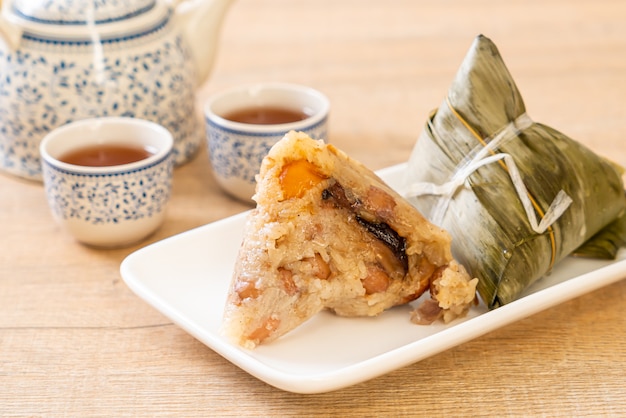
[491,232]
[606,243]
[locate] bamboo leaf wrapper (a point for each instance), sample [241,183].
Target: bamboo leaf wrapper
[484,117]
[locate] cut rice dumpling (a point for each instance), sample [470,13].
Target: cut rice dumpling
[516,196]
[327,233]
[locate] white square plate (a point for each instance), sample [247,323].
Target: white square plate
[186,277]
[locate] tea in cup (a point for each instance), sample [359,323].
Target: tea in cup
[243,123]
[108,180]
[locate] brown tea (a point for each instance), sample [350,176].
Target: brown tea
[105,155]
[266,115]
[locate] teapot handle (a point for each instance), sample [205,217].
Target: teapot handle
[201,21]
[10,32]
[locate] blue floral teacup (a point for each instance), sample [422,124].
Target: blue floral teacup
[243,123]
[108,180]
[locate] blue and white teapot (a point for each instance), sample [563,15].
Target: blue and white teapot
[64,60]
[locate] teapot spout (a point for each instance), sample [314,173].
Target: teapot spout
[201,21]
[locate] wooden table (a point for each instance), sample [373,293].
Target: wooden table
[75,341]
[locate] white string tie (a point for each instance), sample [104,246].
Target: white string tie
[484,155]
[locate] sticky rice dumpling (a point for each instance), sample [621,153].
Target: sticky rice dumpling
[328,233]
[517,196]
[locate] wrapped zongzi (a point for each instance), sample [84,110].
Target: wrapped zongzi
[516,196]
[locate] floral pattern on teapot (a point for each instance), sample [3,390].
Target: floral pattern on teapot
[80,11]
[65,60]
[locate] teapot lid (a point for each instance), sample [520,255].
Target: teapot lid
[80,12]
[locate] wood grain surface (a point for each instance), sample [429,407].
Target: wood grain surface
[75,341]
